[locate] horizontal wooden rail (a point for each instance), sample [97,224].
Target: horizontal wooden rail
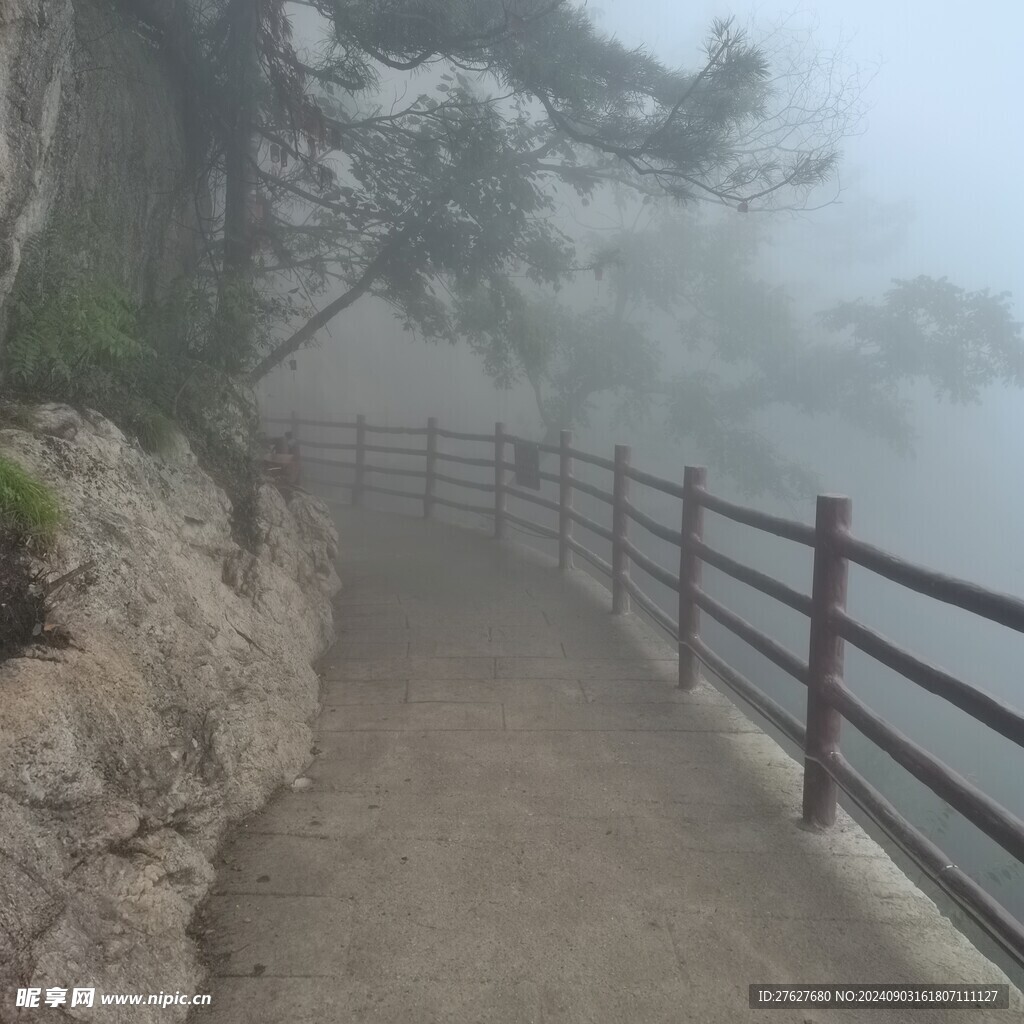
[595,560]
[457,482]
[368,468]
[662,618]
[338,446]
[657,483]
[1001,608]
[484,510]
[458,435]
[593,460]
[997,715]
[997,922]
[536,499]
[594,492]
[391,450]
[589,524]
[994,820]
[754,578]
[788,724]
[394,492]
[464,460]
[395,430]
[652,525]
[651,567]
[759,520]
[773,651]
[532,527]
[829,701]
[547,449]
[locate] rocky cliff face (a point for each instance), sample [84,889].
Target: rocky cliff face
[183,700]
[93,124]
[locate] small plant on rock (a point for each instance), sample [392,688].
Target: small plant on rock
[29,517]
[29,512]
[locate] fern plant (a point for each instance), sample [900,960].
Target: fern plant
[174,362]
[70,334]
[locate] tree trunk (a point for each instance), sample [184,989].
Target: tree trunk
[235,326]
[373,270]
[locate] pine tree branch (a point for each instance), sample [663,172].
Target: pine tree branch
[373,270]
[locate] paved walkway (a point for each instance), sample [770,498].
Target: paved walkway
[515,817]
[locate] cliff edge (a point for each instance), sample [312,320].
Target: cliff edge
[182,699]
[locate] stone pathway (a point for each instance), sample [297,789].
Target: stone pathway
[516,817]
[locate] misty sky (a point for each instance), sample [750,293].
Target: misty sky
[943,128]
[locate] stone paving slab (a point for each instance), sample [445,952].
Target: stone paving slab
[365,691]
[372,616]
[513,815]
[396,634]
[666,717]
[444,716]
[455,647]
[542,692]
[358,650]
[585,668]
[303,935]
[399,667]
[368,596]
[314,814]
[425,614]
[644,691]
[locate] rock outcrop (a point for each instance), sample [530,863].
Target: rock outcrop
[184,699]
[94,127]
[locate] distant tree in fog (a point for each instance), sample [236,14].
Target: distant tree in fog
[959,341]
[694,341]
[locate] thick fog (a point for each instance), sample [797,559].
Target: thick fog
[928,185]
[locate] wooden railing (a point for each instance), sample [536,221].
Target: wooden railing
[829,701]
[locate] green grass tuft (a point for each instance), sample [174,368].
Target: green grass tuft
[154,430]
[28,509]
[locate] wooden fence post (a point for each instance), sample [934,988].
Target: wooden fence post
[293,450]
[357,486]
[825,658]
[620,560]
[564,499]
[499,481]
[694,478]
[428,492]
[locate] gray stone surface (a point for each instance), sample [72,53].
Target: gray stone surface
[94,129]
[183,702]
[496,833]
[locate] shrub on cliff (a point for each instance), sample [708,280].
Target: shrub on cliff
[78,336]
[29,516]
[28,510]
